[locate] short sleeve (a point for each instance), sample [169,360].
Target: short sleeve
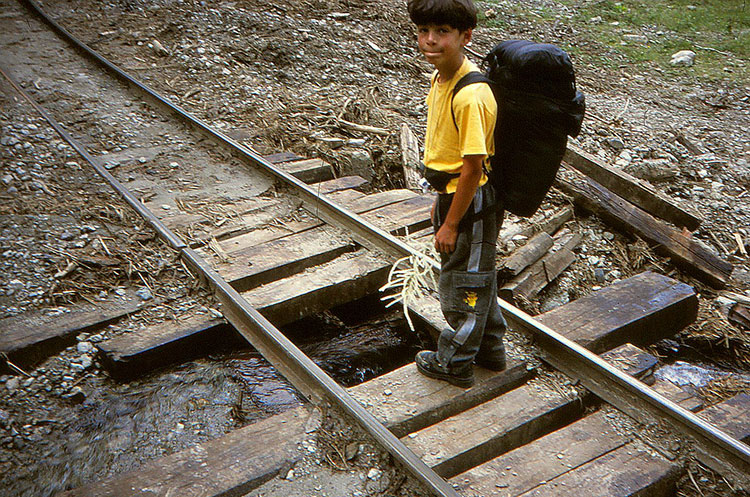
[475,110]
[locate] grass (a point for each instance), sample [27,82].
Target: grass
[717,30]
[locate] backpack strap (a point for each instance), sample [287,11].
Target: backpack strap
[467,79]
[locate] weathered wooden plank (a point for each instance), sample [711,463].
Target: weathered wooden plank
[269,232]
[412,215]
[282,157]
[545,459]
[354,201]
[170,342]
[682,249]
[682,398]
[650,307]
[230,465]
[281,255]
[406,401]
[345,279]
[564,451]
[732,416]
[260,264]
[410,157]
[308,170]
[640,310]
[342,183]
[541,222]
[629,471]
[739,314]
[633,361]
[378,200]
[537,276]
[245,223]
[632,189]
[204,213]
[345,197]
[30,337]
[481,433]
[524,256]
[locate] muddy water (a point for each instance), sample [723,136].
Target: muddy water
[119,427]
[353,346]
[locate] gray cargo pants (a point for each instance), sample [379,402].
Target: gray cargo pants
[468,284]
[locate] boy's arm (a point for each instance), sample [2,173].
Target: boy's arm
[468,181]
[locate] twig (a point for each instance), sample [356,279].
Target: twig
[4,358]
[145,283]
[68,269]
[187,270]
[590,113]
[364,128]
[213,244]
[624,109]
[330,461]
[718,242]
[690,474]
[343,108]
[105,246]
[740,244]
[728,484]
[417,275]
[737,297]
[61,252]
[726,54]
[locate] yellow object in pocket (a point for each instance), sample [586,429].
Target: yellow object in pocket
[471,299]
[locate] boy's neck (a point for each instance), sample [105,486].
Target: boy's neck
[447,72]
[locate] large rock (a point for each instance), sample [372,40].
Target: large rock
[683,58]
[357,162]
[653,170]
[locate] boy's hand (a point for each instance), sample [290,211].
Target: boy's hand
[445,239]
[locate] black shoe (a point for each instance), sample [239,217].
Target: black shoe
[428,365]
[493,364]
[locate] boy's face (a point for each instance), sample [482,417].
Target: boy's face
[442,45]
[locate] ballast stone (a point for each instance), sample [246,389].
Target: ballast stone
[683,58]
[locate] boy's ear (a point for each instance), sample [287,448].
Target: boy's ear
[467,36]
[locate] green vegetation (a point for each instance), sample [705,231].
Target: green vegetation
[648,32]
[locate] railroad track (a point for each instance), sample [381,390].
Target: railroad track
[453,441]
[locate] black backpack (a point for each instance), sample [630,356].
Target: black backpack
[538,106]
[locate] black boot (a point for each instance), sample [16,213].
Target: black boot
[428,365]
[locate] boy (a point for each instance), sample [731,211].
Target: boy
[458,145]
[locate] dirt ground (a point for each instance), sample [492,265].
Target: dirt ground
[291,76]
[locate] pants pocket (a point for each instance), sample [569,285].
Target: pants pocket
[470,292]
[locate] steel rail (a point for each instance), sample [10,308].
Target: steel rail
[299,369]
[166,234]
[361,230]
[613,385]
[716,448]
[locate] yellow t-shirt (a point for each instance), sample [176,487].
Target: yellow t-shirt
[475,109]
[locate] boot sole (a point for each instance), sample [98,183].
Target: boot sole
[453,380]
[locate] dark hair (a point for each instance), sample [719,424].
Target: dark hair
[459,14]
